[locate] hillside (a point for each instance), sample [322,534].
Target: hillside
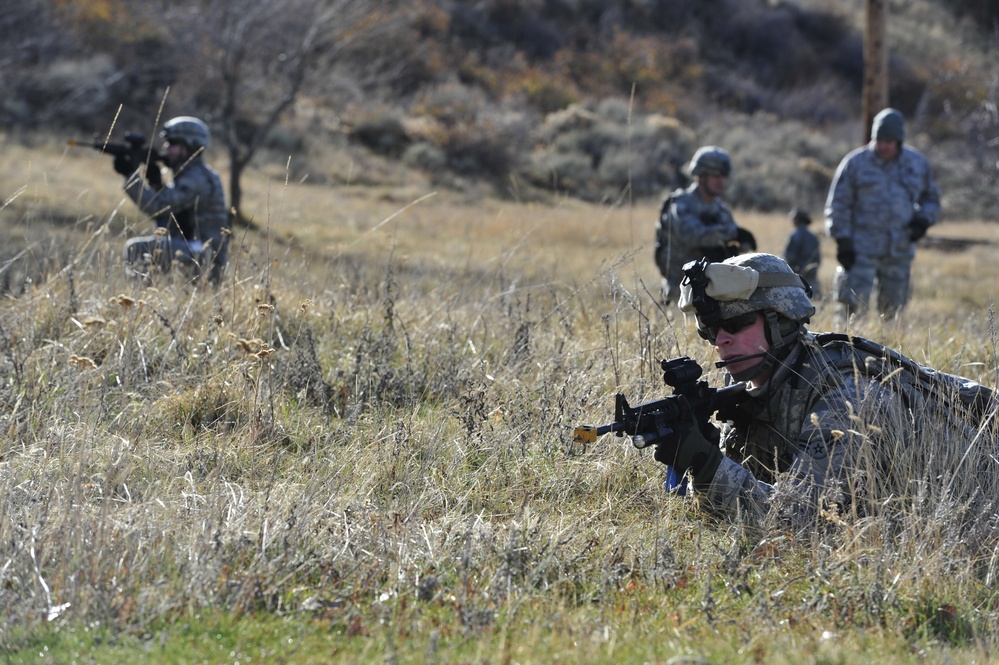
[359,447]
[602,100]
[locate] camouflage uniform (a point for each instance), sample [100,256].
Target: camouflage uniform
[872,202]
[192,211]
[830,422]
[690,228]
[803,255]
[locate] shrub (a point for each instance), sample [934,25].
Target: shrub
[383,133]
[425,156]
[485,150]
[562,172]
[547,93]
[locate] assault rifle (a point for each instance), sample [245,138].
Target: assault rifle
[656,422]
[135,145]
[134,151]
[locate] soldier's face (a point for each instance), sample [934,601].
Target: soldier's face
[174,154]
[886,150]
[713,185]
[746,341]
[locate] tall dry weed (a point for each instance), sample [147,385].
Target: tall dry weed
[377,430]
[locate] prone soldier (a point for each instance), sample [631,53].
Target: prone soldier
[826,424]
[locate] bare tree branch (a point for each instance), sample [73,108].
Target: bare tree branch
[255,59]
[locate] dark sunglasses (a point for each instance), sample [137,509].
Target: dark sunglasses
[733,325]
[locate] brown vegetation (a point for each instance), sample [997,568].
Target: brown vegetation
[366,431]
[465,94]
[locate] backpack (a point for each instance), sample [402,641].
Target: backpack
[974,400]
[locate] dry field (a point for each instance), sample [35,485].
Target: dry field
[358,448]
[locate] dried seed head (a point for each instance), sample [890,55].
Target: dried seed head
[122,301]
[81,363]
[253,346]
[94,323]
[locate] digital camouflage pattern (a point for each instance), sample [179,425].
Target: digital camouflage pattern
[802,253]
[872,201]
[838,427]
[710,159]
[790,301]
[193,211]
[689,229]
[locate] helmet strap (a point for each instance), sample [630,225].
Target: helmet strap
[782,334]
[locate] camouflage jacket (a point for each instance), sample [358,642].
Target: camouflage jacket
[194,207]
[873,201]
[834,418]
[689,229]
[802,254]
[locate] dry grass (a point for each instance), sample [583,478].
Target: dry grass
[366,428]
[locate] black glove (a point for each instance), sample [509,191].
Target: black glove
[690,450]
[154,176]
[845,253]
[746,240]
[124,165]
[917,226]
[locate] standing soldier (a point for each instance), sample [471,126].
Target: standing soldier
[881,201]
[191,215]
[696,223]
[802,250]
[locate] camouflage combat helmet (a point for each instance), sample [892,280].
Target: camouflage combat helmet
[888,125]
[776,288]
[745,284]
[188,130]
[710,159]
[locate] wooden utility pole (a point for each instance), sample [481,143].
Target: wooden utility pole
[875,64]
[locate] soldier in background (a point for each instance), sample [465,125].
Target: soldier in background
[191,215]
[695,223]
[833,423]
[882,200]
[802,250]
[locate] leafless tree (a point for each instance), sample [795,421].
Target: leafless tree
[250,60]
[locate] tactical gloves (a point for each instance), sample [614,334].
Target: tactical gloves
[690,450]
[745,239]
[845,253]
[917,226]
[127,163]
[124,165]
[153,176]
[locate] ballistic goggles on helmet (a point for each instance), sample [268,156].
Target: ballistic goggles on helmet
[706,285]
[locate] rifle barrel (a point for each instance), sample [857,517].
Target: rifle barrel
[590,433]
